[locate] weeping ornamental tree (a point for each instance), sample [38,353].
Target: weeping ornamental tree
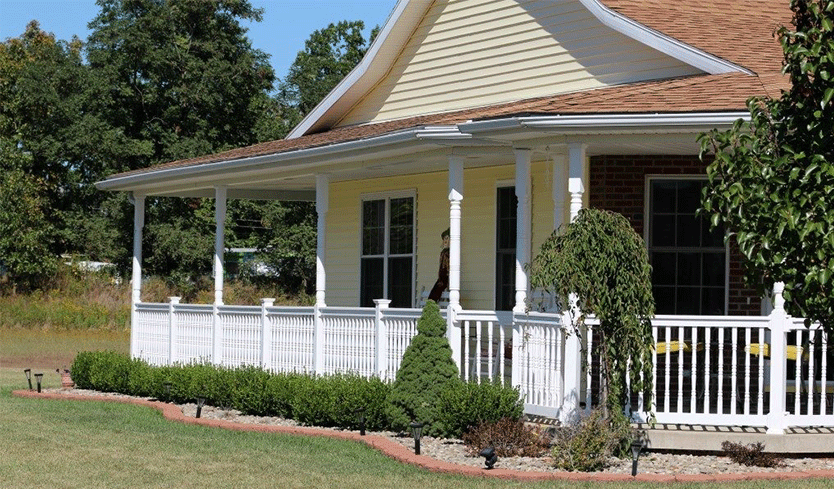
[771,184]
[599,262]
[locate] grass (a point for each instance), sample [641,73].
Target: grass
[50,349]
[98,444]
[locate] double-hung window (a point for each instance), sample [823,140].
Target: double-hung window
[689,261]
[387,261]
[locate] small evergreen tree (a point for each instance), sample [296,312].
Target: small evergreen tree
[427,369]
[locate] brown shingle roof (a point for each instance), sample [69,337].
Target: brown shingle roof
[740,31]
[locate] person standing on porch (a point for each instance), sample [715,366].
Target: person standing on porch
[443,273]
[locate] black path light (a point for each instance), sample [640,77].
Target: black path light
[360,414]
[417,431]
[489,457]
[200,403]
[167,384]
[637,446]
[28,372]
[38,379]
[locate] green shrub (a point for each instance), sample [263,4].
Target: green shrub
[510,438]
[427,369]
[105,371]
[586,445]
[81,369]
[279,394]
[750,455]
[322,401]
[333,401]
[465,405]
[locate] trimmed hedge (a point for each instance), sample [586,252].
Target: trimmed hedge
[312,400]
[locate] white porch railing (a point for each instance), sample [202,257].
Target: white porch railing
[327,340]
[712,370]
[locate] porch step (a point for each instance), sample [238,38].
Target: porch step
[673,437]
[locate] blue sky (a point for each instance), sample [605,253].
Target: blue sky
[285,26]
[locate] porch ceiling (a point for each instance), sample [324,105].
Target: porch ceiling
[291,175]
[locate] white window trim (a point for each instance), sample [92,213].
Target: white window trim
[647,225]
[387,196]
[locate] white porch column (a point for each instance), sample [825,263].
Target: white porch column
[455,199]
[453,330]
[577,161]
[322,206]
[219,248]
[573,348]
[560,189]
[523,227]
[779,320]
[136,276]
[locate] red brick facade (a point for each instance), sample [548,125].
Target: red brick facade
[618,183]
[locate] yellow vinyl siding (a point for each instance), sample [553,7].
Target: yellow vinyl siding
[470,53]
[431,219]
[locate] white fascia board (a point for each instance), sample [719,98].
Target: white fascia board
[298,159]
[663,43]
[374,65]
[605,122]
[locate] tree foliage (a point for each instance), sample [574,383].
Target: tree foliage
[328,56]
[772,182]
[183,77]
[601,263]
[162,81]
[25,233]
[182,74]
[50,108]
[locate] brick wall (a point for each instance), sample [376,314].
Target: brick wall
[618,183]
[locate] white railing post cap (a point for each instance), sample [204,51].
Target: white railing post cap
[174,300]
[382,303]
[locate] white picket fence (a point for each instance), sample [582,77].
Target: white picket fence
[709,370]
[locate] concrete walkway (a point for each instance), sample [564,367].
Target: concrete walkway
[404,455]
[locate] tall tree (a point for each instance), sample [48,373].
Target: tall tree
[183,77]
[182,74]
[772,182]
[50,106]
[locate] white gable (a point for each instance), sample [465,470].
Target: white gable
[445,55]
[472,53]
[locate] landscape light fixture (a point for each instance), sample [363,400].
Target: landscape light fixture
[28,372]
[200,402]
[167,384]
[417,431]
[38,378]
[360,414]
[489,457]
[637,446]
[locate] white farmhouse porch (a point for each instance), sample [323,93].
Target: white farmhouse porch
[768,373]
